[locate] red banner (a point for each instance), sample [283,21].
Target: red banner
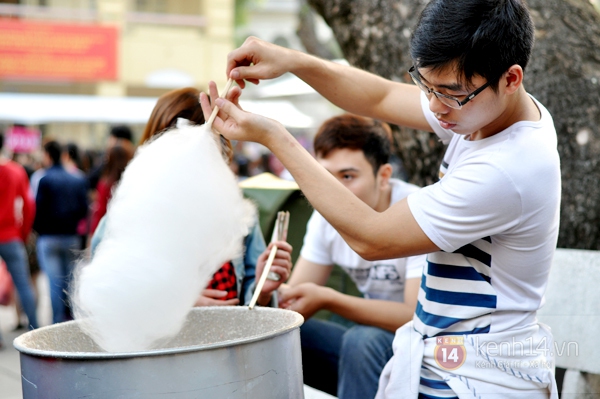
[23,139]
[57,52]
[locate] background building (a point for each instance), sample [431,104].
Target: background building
[71,68]
[108,48]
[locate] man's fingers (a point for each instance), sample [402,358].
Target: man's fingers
[229,110]
[235,59]
[288,294]
[247,73]
[219,122]
[212,90]
[234,95]
[253,81]
[205,104]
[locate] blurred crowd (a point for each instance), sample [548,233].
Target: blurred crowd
[49,207]
[51,204]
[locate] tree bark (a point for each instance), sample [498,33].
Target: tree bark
[308,36]
[564,74]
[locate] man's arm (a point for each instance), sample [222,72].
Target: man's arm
[352,89]
[306,271]
[307,298]
[388,315]
[391,234]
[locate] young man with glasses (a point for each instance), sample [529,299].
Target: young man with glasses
[490,224]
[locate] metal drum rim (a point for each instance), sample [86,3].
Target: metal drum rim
[160,352]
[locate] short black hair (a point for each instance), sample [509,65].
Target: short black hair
[354,132]
[72,151]
[53,149]
[1,140]
[477,37]
[122,132]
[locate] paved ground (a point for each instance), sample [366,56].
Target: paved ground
[10,368]
[10,372]
[10,375]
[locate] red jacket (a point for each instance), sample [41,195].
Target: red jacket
[17,206]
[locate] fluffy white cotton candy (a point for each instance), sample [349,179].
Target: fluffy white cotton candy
[175,218]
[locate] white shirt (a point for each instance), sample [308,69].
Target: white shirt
[382,279]
[495,215]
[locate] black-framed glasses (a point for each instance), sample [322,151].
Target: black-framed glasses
[445,99]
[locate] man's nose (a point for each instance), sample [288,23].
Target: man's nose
[436,106]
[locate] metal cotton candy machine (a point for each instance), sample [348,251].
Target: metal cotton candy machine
[221,352]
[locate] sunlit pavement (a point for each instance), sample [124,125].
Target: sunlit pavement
[10,369]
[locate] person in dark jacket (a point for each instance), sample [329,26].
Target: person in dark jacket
[61,202]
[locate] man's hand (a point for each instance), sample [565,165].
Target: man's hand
[236,124]
[211,297]
[282,265]
[233,95]
[256,60]
[305,298]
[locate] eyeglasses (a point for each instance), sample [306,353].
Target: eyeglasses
[450,101]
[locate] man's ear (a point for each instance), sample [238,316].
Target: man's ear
[385,174]
[513,79]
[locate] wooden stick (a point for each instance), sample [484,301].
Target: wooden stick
[276,230]
[279,234]
[263,277]
[286,224]
[216,109]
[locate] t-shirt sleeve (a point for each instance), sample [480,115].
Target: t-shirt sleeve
[415,265]
[475,201]
[316,247]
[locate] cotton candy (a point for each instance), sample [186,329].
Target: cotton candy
[175,218]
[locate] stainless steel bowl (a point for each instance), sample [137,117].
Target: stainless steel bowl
[221,352]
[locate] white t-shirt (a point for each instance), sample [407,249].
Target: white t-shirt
[495,215]
[382,279]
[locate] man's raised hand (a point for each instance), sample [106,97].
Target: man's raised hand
[256,60]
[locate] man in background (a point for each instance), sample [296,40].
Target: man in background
[346,359]
[61,202]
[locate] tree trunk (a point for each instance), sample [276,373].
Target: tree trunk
[308,36]
[564,74]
